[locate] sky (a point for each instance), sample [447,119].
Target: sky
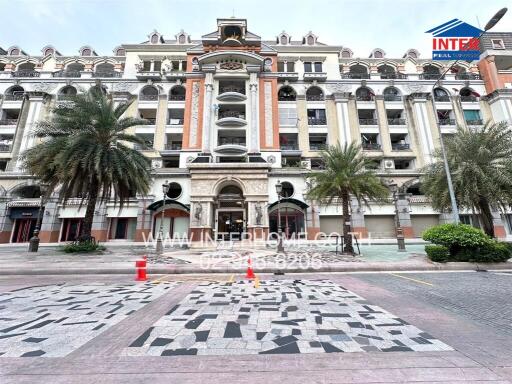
[361,25]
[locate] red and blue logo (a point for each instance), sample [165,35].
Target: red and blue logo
[455,40]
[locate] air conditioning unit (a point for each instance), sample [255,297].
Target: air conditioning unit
[305,164]
[389,164]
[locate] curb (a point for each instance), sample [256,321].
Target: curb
[194,270]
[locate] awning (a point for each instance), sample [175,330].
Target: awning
[124,212]
[299,203]
[23,213]
[24,203]
[72,212]
[169,204]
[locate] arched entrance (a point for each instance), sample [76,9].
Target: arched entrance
[230,219]
[175,221]
[293,219]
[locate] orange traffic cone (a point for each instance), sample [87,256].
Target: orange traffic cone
[250,273]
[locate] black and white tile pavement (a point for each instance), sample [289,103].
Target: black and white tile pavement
[285,316]
[53,321]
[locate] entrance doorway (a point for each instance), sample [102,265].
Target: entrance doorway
[23,230]
[71,229]
[230,225]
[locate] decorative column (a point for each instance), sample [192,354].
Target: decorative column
[207,114]
[100,223]
[254,131]
[50,222]
[144,218]
[5,221]
[312,220]
[341,101]
[404,215]
[35,105]
[423,124]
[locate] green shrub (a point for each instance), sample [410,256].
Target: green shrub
[83,247]
[456,237]
[493,252]
[437,253]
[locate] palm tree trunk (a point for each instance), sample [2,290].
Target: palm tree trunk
[86,231]
[487,219]
[347,237]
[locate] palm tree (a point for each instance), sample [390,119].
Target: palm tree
[480,162]
[83,154]
[347,173]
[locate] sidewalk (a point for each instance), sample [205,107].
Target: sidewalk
[15,260]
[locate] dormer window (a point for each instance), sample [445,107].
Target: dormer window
[14,51]
[86,52]
[182,39]
[378,55]
[346,54]
[120,52]
[154,38]
[309,39]
[497,44]
[48,52]
[284,40]
[412,53]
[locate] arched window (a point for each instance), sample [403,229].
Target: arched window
[230,191]
[311,40]
[346,54]
[284,40]
[431,72]
[104,70]
[74,70]
[27,192]
[287,190]
[182,39]
[174,191]
[315,94]
[48,51]
[441,95]
[358,71]
[392,94]
[120,52]
[386,72]
[149,93]
[154,38]
[467,94]
[364,94]
[177,93]
[14,52]
[414,190]
[26,67]
[15,93]
[292,221]
[286,93]
[86,52]
[67,93]
[378,54]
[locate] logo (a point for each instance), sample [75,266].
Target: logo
[455,40]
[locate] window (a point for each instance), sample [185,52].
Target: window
[285,66]
[287,189]
[312,66]
[182,39]
[472,116]
[314,94]
[311,40]
[317,142]
[174,190]
[318,67]
[284,40]
[120,52]
[15,52]
[308,67]
[286,93]
[146,66]
[497,44]
[48,51]
[346,54]
[176,116]
[378,55]
[157,65]
[86,52]
[154,38]
[316,117]
[288,117]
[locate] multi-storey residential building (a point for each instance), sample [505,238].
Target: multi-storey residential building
[228,116]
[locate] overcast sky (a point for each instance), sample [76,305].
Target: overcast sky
[394,25]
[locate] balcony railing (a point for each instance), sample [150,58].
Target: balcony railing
[392,98]
[5,147]
[148,97]
[150,121]
[371,146]
[393,76]
[430,76]
[67,74]
[16,97]
[140,147]
[317,146]
[397,121]
[231,141]
[355,76]
[400,147]
[177,97]
[367,121]
[317,121]
[467,76]
[9,122]
[232,88]
[315,97]
[475,122]
[469,99]
[107,74]
[176,121]
[26,73]
[238,115]
[365,97]
[289,147]
[442,99]
[173,146]
[446,121]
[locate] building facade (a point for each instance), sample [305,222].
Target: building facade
[230,115]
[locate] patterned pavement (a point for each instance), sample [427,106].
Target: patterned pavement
[279,317]
[55,320]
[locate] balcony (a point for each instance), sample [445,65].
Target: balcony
[176,97]
[468,76]
[393,76]
[446,121]
[475,122]
[317,146]
[107,74]
[17,97]
[397,121]
[319,76]
[235,118]
[289,147]
[174,75]
[317,121]
[231,145]
[442,99]
[430,76]
[175,121]
[392,98]
[355,76]
[9,122]
[149,75]
[143,97]
[365,97]
[368,122]
[5,147]
[400,147]
[150,121]
[26,73]
[173,147]
[232,141]
[469,99]
[371,147]
[290,76]
[71,74]
[231,93]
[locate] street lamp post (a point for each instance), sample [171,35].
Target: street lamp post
[159,240]
[455,210]
[399,231]
[33,245]
[279,190]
